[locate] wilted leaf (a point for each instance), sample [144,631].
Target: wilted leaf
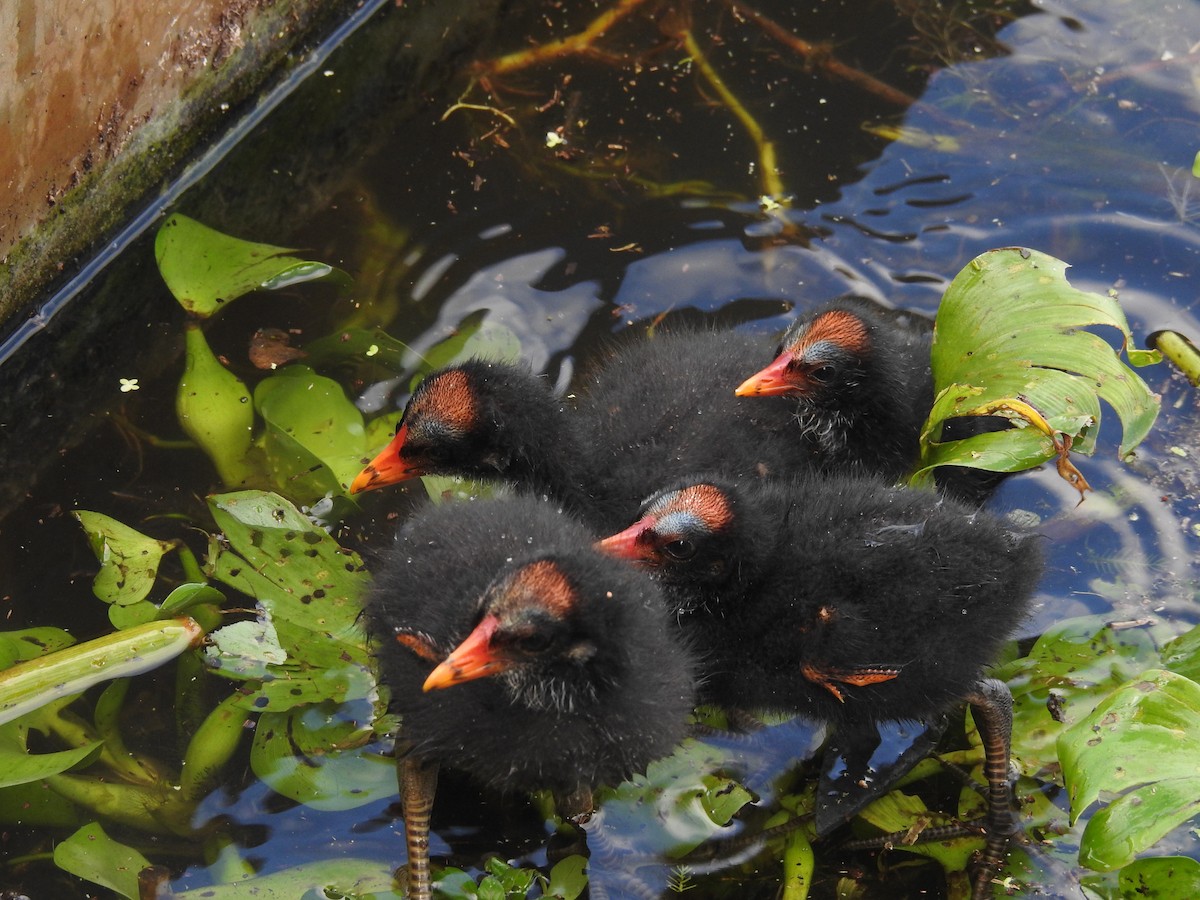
[246,648]
[128,559]
[206,269]
[93,856]
[1010,341]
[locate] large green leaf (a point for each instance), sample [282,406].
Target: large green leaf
[1143,742]
[310,592]
[315,439]
[1010,341]
[93,856]
[206,269]
[128,559]
[275,552]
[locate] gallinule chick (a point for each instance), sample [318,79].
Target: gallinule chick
[861,377]
[654,410]
[844,600]
[518,654]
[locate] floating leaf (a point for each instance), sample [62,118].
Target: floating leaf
[568,879]
[245,649]
[333,877]
[214,410]
[278,556]
[1162,877]
[315,440]
[1073,667]
[36,682]
[1143,740]
[373,345]
[205,269]
[1010,341]
[678,804]
[128,559]
[30,643]
[93,856]
[317,757]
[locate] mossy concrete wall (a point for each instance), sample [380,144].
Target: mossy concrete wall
[102,102]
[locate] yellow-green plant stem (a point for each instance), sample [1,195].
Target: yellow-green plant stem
[768,172]
[575,43]
[1180,351]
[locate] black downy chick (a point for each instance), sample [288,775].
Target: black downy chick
[861,378]
[518,654]
[844,600]
[654,410]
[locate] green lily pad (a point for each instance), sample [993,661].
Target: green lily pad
[1010,340]
[315,440]
[205,269]
[93,856]
[128,559]
[1142,742]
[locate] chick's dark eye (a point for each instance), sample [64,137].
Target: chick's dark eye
[680,550]
[822,374]
[534,642]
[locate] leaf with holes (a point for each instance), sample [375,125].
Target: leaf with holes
[1010,340]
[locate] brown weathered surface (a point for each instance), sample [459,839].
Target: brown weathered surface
[98,104]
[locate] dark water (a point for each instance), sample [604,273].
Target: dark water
[1078,141]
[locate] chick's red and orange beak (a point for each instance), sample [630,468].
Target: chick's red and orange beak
[773,381]
[386,468]
[632,543]
[473,658]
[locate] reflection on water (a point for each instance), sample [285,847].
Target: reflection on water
[1077,143]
